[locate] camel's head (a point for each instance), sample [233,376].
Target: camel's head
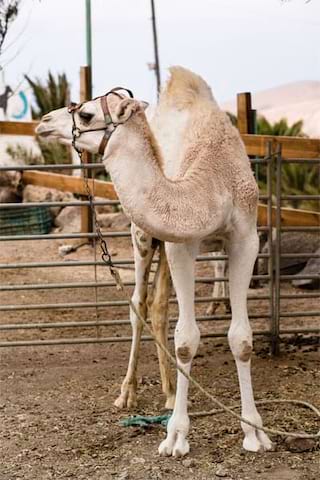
[89,124]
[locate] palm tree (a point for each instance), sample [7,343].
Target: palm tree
[300,179]
[296,179]
[279,128]
[49,95]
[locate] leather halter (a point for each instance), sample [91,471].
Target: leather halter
[76,131]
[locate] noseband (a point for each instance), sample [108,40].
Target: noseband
[76,131]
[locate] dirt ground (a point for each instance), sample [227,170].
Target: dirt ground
[56,402]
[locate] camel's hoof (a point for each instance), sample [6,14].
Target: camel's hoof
[265,441]
[257,441]
[127,399]
[175,446]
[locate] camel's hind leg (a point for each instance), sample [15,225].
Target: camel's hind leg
[143,252]
[242,249]
[219,288]
[158,303]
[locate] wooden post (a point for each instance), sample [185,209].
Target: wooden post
[246,124]
[85,94]
[244,113]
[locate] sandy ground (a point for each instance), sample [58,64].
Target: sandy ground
[56,403]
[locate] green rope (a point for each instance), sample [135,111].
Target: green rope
[142,421]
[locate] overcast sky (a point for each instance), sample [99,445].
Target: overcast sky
[236,45]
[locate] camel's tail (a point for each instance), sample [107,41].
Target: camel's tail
[184,88]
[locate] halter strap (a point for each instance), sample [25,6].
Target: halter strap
[76,131]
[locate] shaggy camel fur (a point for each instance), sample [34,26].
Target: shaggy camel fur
[211,191]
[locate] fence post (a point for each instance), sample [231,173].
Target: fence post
[270,172]
[85,94]
[246,120]
[275,344]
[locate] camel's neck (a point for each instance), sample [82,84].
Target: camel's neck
[171,211]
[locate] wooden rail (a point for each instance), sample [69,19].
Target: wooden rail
[18,128]
[67,183]
[291,147]
[289,216]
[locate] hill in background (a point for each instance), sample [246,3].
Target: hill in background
[293,101]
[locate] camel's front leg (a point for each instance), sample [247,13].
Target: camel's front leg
[242,250]
[181,262]
[158,303]
[143,253]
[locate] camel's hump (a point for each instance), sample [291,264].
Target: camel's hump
[184,88]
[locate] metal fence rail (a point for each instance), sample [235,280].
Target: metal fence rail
[271,314]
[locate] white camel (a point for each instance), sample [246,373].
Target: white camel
[211,191]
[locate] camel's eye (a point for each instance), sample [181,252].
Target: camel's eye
[86,116]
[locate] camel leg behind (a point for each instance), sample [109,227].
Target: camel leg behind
[219,288]
[143,250]
[242,250]
[158,306]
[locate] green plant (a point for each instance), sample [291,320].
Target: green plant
[49,95]
[300,179]
[51,154]
[279,128]
[296,179]
[232,118]
[23,155]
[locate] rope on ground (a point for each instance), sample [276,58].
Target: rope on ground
[222,407]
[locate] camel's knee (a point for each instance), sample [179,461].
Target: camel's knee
[186,344]
[140,305]
[141,241]
[240,341]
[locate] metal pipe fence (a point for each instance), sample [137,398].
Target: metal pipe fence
[30,301]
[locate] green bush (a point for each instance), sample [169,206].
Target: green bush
[48,95]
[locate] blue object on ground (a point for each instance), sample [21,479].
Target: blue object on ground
[142,421]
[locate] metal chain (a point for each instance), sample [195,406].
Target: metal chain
[105,256]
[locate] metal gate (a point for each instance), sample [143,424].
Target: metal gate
[46,301]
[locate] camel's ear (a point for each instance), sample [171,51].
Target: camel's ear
[144,104]
[125,109]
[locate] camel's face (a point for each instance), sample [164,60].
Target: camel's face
[57,125]
[89,121]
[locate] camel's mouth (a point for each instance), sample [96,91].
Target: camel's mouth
[44,132]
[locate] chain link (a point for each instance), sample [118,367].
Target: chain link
[106,255]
